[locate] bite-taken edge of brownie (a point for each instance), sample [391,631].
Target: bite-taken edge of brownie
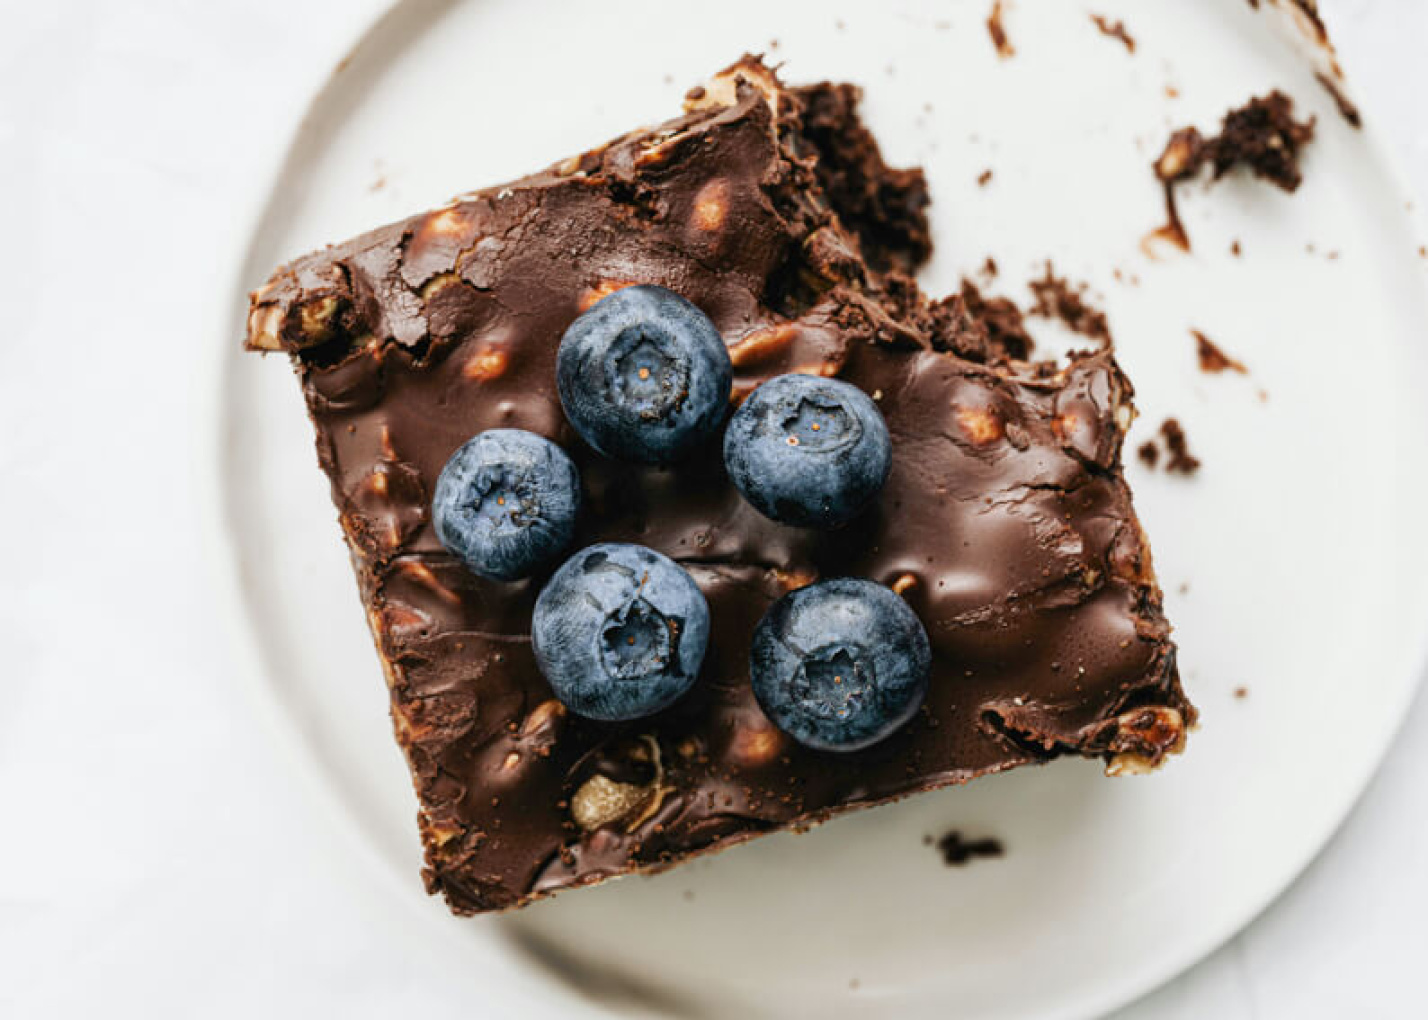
[1005,523]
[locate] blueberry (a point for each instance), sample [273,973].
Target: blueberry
[620,631]
[644,375]
[841,664]
[506,503]
[808,451]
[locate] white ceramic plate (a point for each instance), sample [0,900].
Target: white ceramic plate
[1293,563]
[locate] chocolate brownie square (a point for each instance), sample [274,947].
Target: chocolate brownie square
[1006,522]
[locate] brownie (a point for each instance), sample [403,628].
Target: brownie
[1005,523]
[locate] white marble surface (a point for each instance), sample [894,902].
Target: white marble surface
[155,859]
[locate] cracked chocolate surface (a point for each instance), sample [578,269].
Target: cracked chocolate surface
[1005,523]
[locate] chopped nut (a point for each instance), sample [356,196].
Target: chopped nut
[1183,155]
[762,344]
[1064,425]
[754,745]
[1143,738]
[437,284]
[389,452]
[601,801]
[389,674]
[603,289]
[396,619]
[981,424]
[792,580]
[722,89]
[316,318]
[904,583]
[658,149]
[711,205]
[568,166]
[512,760]
[486,364]
[422,574]
[1125,415]
[442,833]
[402,723]
[1129,764]
[453,221]
[265,322]
[543,716]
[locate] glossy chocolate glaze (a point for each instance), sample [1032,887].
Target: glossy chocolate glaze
[1005,523]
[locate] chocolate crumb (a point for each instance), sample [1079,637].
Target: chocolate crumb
[1055,298]
[957,851]
[1241,693]
[989,268]
[1002,320]
[1184,587]
[1171,92]
[1235,248]
[1115,30]
[998,31]
[1182,461]
[1262,135]
[1212,358]
[378,184]
[984,178]
[1346,106]
[1179,459]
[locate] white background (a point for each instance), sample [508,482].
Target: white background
[155,857]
